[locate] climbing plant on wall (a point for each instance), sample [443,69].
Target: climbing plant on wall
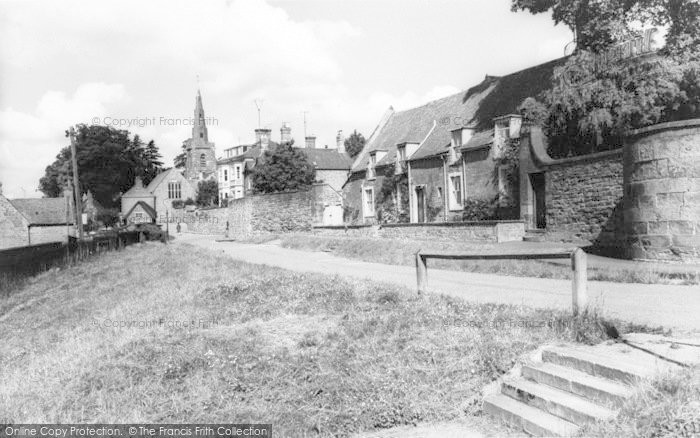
[392,202]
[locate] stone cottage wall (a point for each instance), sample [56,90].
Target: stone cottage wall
[13,226]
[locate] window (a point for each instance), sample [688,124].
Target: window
[201,135]
[174,190]
[225,174]
[369,202]
[457,138]
[501,136]
[238,172]
[203,160]
[370,167]
[402,153]
[455,192]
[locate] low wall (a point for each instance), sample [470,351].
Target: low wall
[489,231]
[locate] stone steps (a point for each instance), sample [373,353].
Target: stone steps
[567,388]
[527,418]
[597,389]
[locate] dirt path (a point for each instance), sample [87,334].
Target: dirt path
[672,306]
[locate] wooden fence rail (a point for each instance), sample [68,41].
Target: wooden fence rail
[579,265]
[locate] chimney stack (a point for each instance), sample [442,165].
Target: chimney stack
[285,133]
[262,136]
[340,142]
[311,142]
[138,182]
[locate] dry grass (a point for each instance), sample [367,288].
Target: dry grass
[402,252]
[233,342]
[667,406]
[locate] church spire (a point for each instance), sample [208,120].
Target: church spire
[199,127]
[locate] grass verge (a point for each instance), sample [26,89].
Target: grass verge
[402,252]
[175,334]
[666,406]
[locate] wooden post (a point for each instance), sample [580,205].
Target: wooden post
[579,264]
[76,186]
[422,273]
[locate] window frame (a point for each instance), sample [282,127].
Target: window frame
[455,203]
[174,188]
[365,202]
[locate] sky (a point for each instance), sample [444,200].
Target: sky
[137,65]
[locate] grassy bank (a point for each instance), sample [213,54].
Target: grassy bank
[402,252]
[667,406]
[170,334]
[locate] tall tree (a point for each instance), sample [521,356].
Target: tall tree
[592,103]
[207,193]
[355,143]
[180,159]
[108,162]
[283,169]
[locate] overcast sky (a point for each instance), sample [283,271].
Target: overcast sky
[343,61]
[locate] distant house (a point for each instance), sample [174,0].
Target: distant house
[33,221]
[155,202]
[332,164]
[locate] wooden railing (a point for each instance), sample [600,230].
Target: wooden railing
[579,265]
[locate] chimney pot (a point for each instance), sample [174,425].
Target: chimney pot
[285,133]
[311,142]
[340,142]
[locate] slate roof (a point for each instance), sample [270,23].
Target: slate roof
[153,185]
[431,124]
[328,159]
[147,208]
[43,211]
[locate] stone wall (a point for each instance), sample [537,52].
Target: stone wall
[489,231]
[49,233]
[662,192]
[258,214]
[13,226]
[584,199]
[430,174]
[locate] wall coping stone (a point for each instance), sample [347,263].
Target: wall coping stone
[667,126]
[453,224]
[340,227]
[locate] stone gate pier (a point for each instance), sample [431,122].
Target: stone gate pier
[661,166]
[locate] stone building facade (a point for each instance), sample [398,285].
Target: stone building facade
[200,153]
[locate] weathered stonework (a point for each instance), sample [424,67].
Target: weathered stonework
[662,192]
[489,231]
[584,199]
[258,214]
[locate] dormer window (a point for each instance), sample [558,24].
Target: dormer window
[372,164]
[505,128]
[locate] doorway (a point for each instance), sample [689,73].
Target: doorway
[420,203]
[538,200]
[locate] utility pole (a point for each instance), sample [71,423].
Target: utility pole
[76,186]
[258,104]
[304,113]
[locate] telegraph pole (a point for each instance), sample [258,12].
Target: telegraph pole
[258,104]
[76,186]
[305,113]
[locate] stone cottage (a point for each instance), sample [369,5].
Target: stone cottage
[438,157]
[35,220]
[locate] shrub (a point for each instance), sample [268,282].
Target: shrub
[480,209]
[178,203]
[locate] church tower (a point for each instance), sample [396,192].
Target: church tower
[201,156]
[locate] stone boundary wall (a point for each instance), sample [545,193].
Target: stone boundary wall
[257,214]
[489,231]
[662,192]
[584,199]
